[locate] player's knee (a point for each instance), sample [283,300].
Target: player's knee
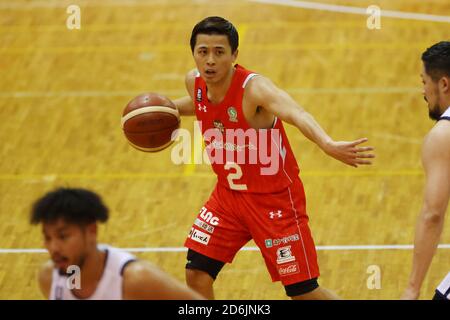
[305,290]
[198,279]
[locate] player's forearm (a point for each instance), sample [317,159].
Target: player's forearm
[306,123]
[428,232]
[184,106]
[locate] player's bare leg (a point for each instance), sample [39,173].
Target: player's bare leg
[201,282]
[318,294]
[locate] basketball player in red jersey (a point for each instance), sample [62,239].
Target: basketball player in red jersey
[253,199]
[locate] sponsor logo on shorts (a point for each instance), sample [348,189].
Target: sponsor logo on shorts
[284,255]
[276,242]
[288,269]
[199,236]
[208,217]
[204,225]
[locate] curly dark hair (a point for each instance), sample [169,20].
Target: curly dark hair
[77,206]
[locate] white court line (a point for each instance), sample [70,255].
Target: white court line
[10,5]
[130,93]
[87,94]
[356,10]
[16,5]
[318,248]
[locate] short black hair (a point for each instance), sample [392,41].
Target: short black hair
[216,25]
[73,205]
[436,60]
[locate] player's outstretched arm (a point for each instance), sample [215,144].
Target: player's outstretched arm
[144,281]
[262,92]
[435,159]
[45,278]
[185,104]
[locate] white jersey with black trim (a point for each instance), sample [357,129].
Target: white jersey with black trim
[444,287]
[445,115]
[110,284]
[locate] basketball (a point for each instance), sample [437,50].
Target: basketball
[148,122]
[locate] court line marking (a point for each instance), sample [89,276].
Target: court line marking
[299,4]
[64,4]
[356,10]
[183,249]
[189,173]
[182,26]
[129,93]
[165,48]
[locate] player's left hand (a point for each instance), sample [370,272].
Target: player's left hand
[349,153]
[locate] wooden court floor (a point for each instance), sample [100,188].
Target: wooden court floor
[62,93]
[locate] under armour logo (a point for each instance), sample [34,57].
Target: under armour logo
[201,108]
[277,214]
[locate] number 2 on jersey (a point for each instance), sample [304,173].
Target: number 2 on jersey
[234,176]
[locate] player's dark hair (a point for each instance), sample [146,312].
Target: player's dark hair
[436,60]
[76,206]
[216,25]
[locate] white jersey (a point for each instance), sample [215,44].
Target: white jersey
[444,287]
[445,115]
[110,284]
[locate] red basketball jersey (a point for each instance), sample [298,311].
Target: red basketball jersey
[244,159]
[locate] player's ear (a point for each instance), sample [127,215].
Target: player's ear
[235,55]
[444,84]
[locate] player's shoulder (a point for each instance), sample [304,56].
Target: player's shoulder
[190,81]
[45,277]
[258,81]
[439,134]
[140,278]
[137,272]
[191,75]
[259,87]
[437,141]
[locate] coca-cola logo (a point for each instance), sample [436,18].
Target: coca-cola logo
[289,269]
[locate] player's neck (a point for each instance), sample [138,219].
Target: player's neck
[217,91]
[91,273]
[446,104]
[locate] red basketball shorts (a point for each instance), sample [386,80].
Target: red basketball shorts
[277,222]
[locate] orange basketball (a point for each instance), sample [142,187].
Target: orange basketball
[149,120]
